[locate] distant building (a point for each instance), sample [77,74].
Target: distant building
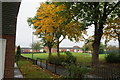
[53,50]
[63,49]
[29,50]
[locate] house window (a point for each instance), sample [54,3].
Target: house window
[75,50]
[60,50]
[67,50]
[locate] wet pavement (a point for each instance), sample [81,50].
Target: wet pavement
[62,71]
[54,69]
[17,73]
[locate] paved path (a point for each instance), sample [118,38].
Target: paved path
[59,70]
[17,73]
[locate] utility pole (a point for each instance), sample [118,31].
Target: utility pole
[32,45]
[84,46]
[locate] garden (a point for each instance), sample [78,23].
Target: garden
[52,27]
[33,71]
[76,65]
[80,57]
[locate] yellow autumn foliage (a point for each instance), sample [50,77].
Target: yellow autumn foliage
[112,29]
[48,22]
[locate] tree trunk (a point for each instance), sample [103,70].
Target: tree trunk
[98,23]
[95,55]
[119,42]
[96,44]
[49,51]
[58,53]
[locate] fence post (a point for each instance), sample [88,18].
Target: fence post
[70,73]
[55,66]
[46,64]
[70,70]
[36,61]
[41,63]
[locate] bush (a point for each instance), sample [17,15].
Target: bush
[70,58]
[77,71]
[62,59]
[58,60]
[18,51]
[18,54]
[113,57]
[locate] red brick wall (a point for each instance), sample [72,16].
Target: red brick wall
[26,50]
[63,50]
[9,56]
[71,50]
[53,50]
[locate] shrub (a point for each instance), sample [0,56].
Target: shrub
[18,51]
[62,59]
[113,57]
[18,54]
[77,71]
[51,59]
[70,58]
[58,60]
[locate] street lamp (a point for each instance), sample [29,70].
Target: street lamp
[32,44]
[84,46]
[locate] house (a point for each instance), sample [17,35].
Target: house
[53,50]
[8,15]
[30,50]
[63,49]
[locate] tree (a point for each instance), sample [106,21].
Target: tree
[102,48]
[87,42]
[112,30]
[95,13]
[36,46]
[87,47]
[47,43]
[49,22]
[110,47]
[18,54]
[18,51]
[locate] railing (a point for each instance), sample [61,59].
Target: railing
[43,63]
[112,72]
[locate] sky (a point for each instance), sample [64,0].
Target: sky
[24,31]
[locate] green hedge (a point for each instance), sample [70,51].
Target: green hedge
[57,60]
[62,59]
[113,57]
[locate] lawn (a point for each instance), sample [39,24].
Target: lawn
[81,57]
[32,71]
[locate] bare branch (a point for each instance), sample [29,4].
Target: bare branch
[113,8]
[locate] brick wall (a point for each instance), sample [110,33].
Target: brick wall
[9,18]
[63,50]
[53,50]
[9,56]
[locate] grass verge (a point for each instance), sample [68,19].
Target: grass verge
[33,71]
[81,57]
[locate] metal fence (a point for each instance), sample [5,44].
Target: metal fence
[107,72]
[109,51]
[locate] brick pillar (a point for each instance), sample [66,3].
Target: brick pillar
[9,18]
[9,56]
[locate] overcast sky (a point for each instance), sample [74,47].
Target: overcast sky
[24,32]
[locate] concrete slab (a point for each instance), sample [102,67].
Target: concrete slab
[17,73]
